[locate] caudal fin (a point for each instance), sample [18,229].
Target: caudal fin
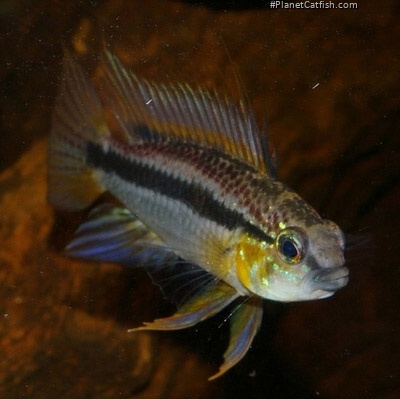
[77,119]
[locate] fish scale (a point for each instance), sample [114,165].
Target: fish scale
[235,188]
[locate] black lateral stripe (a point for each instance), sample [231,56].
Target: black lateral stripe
[200,199]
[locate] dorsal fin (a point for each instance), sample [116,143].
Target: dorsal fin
[146,111]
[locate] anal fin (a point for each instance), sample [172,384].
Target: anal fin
[114,234]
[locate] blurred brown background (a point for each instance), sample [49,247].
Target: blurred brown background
[328,82]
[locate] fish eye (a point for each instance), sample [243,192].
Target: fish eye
[291,246]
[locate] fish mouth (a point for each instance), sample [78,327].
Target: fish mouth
[331,279]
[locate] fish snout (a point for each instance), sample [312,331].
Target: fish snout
[330,279]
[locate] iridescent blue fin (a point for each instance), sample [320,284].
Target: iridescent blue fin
[113,234]
[208,303]
[245,322]
[147,111]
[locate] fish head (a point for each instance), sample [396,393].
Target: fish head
[301,263]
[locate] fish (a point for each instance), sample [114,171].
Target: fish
[197,199]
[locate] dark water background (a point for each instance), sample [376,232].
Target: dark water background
[328,82]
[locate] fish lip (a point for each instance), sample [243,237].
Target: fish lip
[330,280]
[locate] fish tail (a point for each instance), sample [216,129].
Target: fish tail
[77,120]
